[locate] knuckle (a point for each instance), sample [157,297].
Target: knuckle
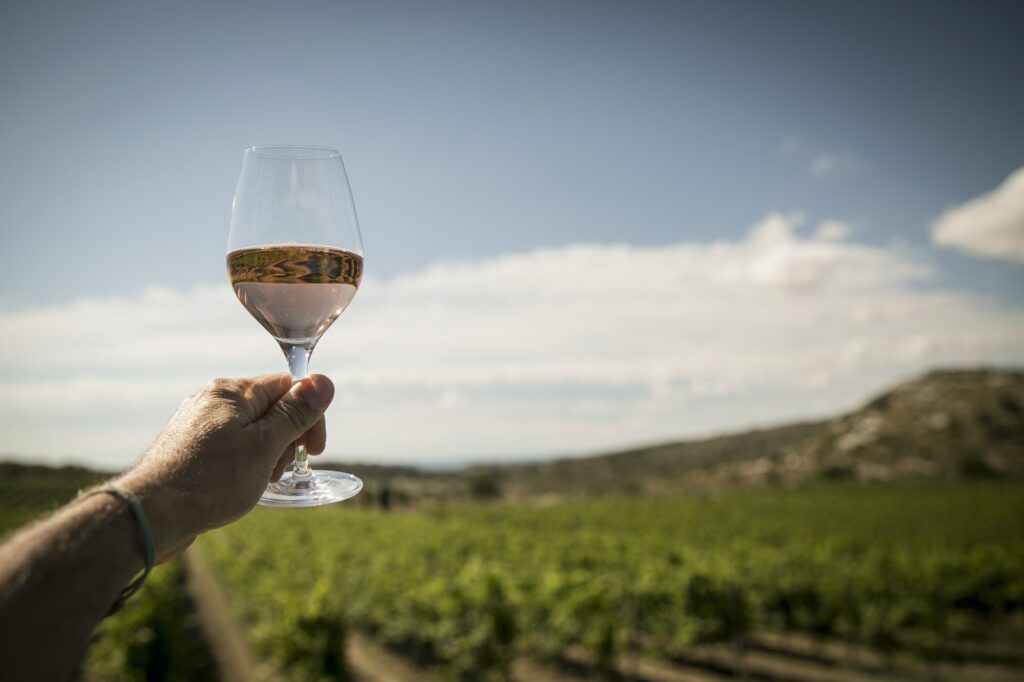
[222,388]
[295,415]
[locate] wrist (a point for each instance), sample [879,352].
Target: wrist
[104,526]
[168,513]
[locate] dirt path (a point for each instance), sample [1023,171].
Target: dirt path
[235,660]
[629,669]
[370,662]
[849,660]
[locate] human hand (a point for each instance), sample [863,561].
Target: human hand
[225,443]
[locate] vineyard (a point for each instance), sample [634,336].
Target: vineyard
[918,569]
[913,580]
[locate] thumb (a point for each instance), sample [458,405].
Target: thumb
[299,409]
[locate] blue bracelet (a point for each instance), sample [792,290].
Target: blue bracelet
[147,541]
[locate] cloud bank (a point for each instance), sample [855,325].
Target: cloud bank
[574,349]
[991,226]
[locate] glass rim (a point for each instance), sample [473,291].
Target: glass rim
[300,152]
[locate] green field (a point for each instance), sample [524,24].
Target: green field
[912,569]
[465,589]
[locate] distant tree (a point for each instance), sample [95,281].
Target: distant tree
[972,465]
[484,486]
[838,472]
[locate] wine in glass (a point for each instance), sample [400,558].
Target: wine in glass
[295,259]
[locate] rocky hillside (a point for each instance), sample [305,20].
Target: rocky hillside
[947,423]
[953,424]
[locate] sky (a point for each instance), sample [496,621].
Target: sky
[587,225]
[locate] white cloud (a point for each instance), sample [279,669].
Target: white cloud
[572,349]
[790,145]
[821,164]
[829,163]
[832,231]
[991,225]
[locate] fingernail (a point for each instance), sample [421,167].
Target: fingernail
[312,392]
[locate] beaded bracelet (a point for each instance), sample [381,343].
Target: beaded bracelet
[147,540]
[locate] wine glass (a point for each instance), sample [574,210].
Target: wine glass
[295,259]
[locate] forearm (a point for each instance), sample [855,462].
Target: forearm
[58,579]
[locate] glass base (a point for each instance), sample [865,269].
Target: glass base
[323,487]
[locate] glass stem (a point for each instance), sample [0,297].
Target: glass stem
[298,365]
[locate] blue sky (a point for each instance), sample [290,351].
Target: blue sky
[476,132]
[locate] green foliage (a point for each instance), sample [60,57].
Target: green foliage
[470,587]
[28,492]
[154,637]
[483,486]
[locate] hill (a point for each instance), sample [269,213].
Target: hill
[949,423]
[945,424]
